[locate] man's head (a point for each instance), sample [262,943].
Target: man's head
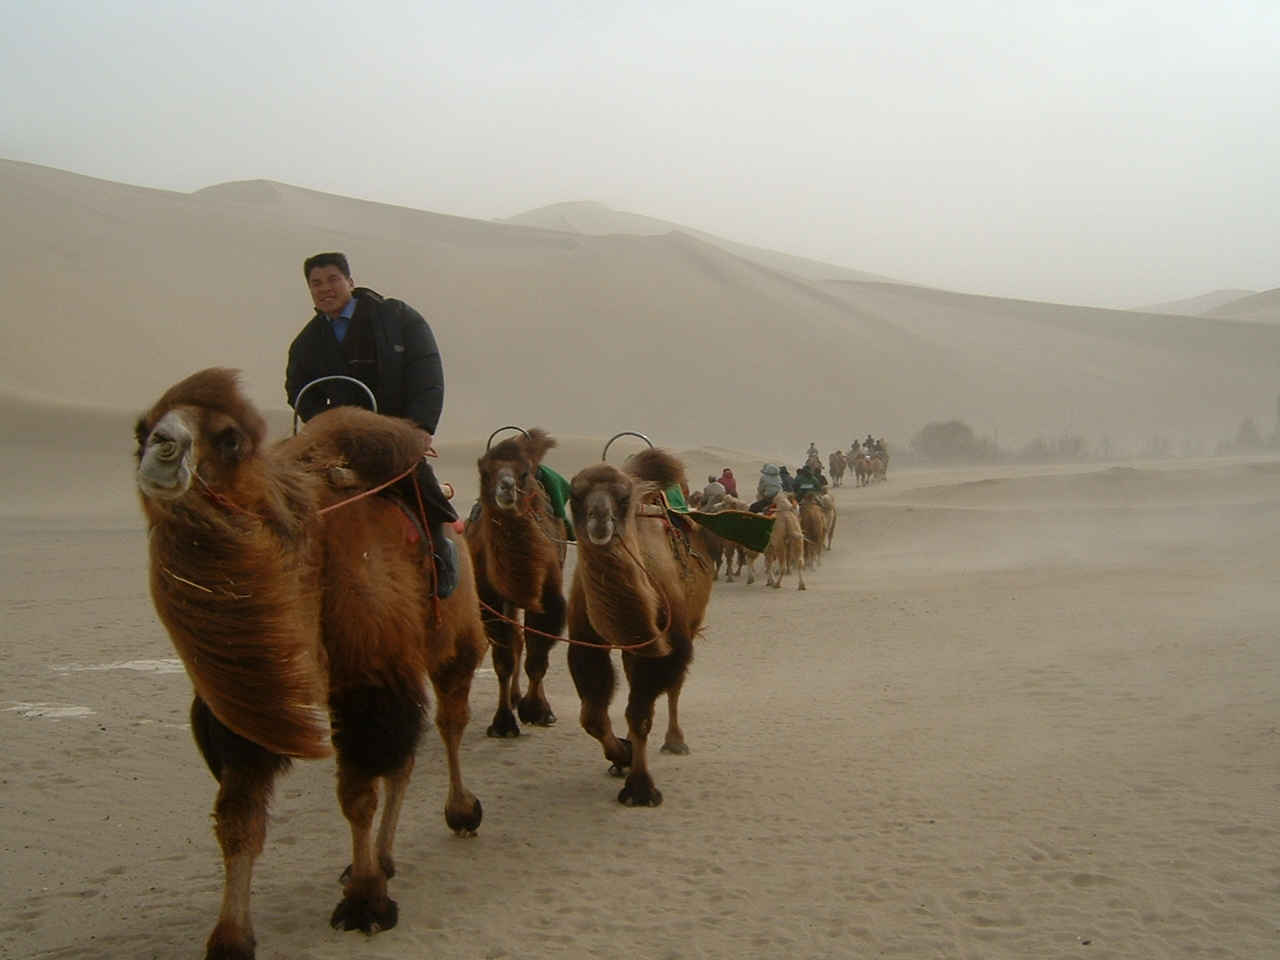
[329,280]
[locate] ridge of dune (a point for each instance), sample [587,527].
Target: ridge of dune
[693,342]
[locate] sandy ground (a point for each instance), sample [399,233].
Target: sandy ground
[1018,713]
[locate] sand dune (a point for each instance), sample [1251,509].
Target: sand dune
[121,291]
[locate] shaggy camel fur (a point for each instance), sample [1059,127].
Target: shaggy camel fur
[518,548]
[641,584]
[813,524]
[786,547]
[282,599]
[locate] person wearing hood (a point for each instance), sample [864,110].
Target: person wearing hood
[788,481]
[768,487]
[729,483]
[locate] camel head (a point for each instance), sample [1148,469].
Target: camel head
[602,502]
[605,499]
[202,427]
[508,469]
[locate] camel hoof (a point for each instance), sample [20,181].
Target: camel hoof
[642,793]
[368,915]
[504,726]
[536,713]
[676,749]
[223,945]
[465,823]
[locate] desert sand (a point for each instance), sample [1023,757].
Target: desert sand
[1020,711]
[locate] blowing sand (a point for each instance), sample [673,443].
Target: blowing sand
[1018,713]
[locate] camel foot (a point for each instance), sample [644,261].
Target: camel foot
[225,945]
[536,713]
[368,914]
[504,726]
[465,822]
[621,764]
[640,792]
[680,749]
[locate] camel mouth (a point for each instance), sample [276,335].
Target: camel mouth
[169,487]
[167,463]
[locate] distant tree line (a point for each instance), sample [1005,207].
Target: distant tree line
[953,442]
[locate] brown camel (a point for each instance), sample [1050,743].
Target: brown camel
[828,503]
[813,524]
[786,548]
[285,592]
[736,556]
[862,469]
[518,549]
[878,467]
[837,463]
[642,584]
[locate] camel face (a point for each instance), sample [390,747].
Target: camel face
[603,517]
[166,457]
[504,486]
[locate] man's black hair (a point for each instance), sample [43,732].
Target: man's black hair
[335,259]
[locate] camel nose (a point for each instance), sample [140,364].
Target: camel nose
[507,492]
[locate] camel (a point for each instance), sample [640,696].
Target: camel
[641,584]
[862,469]
[518,550]
[736,556]
[837,463]
[786,548]
[828,504]
[878,466]
[813,524]
[286,589]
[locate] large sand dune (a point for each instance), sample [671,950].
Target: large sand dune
[119,291]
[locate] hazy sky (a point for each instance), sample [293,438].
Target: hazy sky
[1111,153]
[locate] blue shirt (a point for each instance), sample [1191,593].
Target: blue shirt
[343,320]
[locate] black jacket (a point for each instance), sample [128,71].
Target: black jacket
[410,375]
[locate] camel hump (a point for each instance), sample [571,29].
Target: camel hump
[377,448]
[658,466]
[532,444]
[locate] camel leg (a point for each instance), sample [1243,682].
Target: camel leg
[534,706]
[245,773]
[594,679]
[376,732]
[452,684]
[650,677]
[674,742]
[800,570]
[503,637]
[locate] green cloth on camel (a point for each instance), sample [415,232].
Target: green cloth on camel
[739,526]
[558,489]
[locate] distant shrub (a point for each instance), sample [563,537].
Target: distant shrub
[951,442]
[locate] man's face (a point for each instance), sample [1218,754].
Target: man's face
[330,289]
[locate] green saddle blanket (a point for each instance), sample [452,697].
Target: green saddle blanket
[739,526]
[558,489]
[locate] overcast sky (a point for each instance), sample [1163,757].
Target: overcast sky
[1111,153]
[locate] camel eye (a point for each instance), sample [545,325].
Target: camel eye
[230,443]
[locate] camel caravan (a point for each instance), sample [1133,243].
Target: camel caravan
[296,582]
